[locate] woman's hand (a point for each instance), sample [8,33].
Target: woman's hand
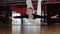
[56,16]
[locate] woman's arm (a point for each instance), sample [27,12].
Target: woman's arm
[17,17]
[38,16]
[23,16]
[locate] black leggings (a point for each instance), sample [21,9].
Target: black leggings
[6,20]
[51,21]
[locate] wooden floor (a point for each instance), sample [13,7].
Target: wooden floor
[30,29]
[51,29]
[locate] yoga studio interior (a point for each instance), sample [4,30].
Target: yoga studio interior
[29,16]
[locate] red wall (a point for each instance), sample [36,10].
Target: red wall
[17,9]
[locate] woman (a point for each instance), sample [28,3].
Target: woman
[29,16]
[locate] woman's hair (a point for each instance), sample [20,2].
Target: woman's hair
[30,8]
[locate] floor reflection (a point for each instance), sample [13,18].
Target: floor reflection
[32,29]
[16,29]
[25,29]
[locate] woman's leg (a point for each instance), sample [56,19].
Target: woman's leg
[26,21]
